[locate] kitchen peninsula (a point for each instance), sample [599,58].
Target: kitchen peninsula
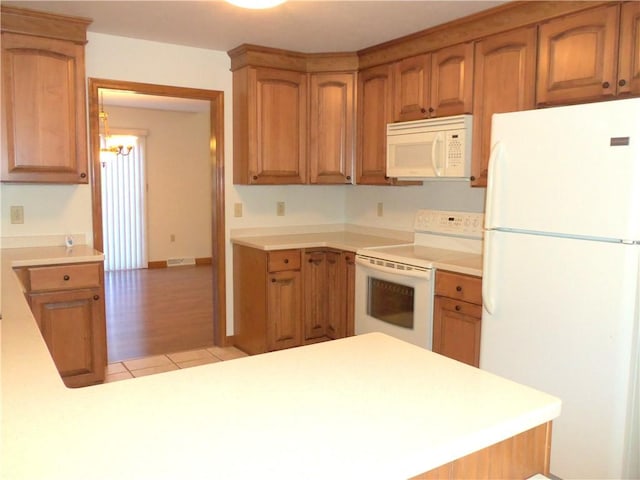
[361,407]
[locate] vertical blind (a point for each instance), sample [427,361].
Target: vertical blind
[124,207]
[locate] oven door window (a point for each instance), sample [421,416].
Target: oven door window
[390,302]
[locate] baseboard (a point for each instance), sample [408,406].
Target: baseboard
[163,263]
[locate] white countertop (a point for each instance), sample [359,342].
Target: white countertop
[467,263]
[362,407]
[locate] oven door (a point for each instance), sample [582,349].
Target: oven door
[393,299]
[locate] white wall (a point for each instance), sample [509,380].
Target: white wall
[60,208]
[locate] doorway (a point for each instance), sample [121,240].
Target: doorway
[216,143]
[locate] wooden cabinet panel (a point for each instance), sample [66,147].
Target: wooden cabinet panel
[375,110]
[411,88]
[578,56]
[457,316]
[73,326]
[43,110]
[629,64]
[349,259]
[452,80]
[331,128]
[283,260]
[271,126]
[337,295]
[504,81]
[456,330]
[64,277]
[316,306]
[284,310]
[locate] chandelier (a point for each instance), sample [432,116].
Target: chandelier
[108,151]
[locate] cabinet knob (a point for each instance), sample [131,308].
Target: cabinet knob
[83,175]
[273,280]
[66,278]
[348,177]
[255,177]
[431,110]
[472,178]
[423,110]
[458,308]
[286,260]
[605,85]
[622,82]
[458,288]
[96,297]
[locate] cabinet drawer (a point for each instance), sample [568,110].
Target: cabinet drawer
[460,287]
[64,277]
[284,260]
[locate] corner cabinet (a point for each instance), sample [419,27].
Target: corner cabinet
[504,81]
[44,137]
[67,302]
[457,317]
[591,55]
[289,298]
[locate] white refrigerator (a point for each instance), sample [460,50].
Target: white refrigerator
[561,275]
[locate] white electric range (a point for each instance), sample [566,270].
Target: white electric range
[394,284]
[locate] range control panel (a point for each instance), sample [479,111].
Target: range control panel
[449,223]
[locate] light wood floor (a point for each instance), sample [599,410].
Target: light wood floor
[158,311]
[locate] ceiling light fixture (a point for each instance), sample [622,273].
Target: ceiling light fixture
[256,4]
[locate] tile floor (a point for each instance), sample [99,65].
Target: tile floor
[163,363]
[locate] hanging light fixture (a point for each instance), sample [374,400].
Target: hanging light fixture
[109,152]
[256,4]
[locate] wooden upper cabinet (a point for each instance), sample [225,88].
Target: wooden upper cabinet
[270,126]
[44,136]
[629,63]
[411,88]
[504,81]
[452,80]
[375,110]
[331,127]
[578,57]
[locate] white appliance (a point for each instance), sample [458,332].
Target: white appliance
[435,148]
[561,276]
[394,285]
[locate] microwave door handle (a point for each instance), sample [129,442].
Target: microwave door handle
[434,149]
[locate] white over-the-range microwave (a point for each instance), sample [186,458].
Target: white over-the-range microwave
[430,149]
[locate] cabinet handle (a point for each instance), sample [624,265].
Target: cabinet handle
[348,177]
[423,110]
[273,280]
[286,260]
[622,82]
[431,110]
[458,288]
[66,278]
[458,307]
[255,177]
[83,175]
[472,178]
[96,297]
[605,85]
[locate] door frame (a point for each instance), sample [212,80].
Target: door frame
[216,143]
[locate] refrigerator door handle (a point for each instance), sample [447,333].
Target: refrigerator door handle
[497,154]
[487,273]
[434,155]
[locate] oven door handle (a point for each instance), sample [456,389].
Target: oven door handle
[402,273]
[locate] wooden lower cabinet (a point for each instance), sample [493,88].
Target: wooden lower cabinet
[68,305]
[288,298]
[457,317]
[517,457]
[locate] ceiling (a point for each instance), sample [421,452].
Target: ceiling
[305,26]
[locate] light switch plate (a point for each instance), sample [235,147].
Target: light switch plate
[17,214]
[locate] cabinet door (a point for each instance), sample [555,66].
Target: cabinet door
[331,128]
[452,80]
[73,327]
[375,110]
[629,63]
[578,56]
[504,81]
[284,310]
[456,330]
[43,110]
[316,306]
[337,295]
[411,88]
[349,259]
[277,126]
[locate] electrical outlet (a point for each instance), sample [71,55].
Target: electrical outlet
[280,209]
[380,209]
[237,209]
[17,214]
